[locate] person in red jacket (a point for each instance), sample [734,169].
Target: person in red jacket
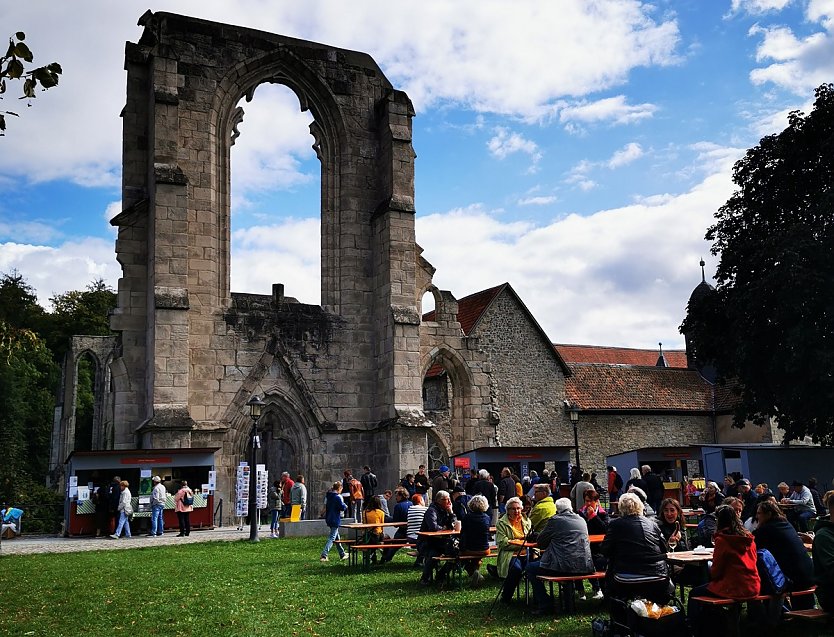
[733,574]
[286,487]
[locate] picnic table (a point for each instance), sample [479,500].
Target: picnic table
[358,529]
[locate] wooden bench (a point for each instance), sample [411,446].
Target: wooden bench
[734,605]
[566,598]
[457,562]
[367,549]
[812,614]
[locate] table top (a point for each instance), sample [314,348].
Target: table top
[693,511]
[438,533]
[358,525]
[789,503]
[689,556]
[596,539]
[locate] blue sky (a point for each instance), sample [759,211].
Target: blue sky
[577,149]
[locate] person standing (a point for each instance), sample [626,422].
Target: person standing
[184,504]
[421,483]
[442,481]
[334,505]
[273,501]
[357,497]
[369,482]
[125,509]
[506,489]
[486,488]
[577,493]
[286,487]
[102,504]
[298,495]
[113,494]
[654,487]
[158,498]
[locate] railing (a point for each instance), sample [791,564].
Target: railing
[42,519]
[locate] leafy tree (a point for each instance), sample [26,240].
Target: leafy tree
[79,312]
[769,324]
[13,67]
[18,303]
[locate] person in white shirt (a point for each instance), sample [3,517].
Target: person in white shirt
[159,496]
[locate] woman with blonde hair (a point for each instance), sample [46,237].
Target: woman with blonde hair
[510,532]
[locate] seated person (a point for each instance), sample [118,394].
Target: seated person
[401,508]
[11,521]
[635,548]
[511,530]
[734,573]
[543,507]
[416,513]
[673,525]
[775,534]
[438,517]
[648,511]
[374,514]
[803,505]
[475,536]
[711,498]
[566,551]
[823,555]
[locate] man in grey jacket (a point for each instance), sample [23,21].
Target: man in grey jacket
[159,496]
[566,551]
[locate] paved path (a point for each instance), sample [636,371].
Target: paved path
[27,545]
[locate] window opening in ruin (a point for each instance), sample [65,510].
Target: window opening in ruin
[427,306]
[437,455]
[85,400]
[438,399]
[275,198]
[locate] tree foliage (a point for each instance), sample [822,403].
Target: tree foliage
[32,346]
[769,325]
[13,67]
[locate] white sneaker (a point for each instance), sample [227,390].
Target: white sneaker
[273,536]
[583,597]
[598,595]
[344,557]
[114,537]
[323,558]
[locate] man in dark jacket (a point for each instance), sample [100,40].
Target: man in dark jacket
[654,487]
[369,482]
[421,483]
[506,489]
[438,517]
[483,486]
[748,497]
[114,493]
[566,551]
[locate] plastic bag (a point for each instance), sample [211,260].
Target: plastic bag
[645,608]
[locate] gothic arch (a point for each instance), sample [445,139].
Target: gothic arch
[328,130]
[464,400]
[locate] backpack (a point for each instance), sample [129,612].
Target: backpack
[188,499]
[773,579]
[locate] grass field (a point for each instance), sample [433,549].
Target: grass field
[226,589]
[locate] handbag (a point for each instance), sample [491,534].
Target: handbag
[188,500]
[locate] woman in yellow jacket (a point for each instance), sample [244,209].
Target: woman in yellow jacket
[510,532]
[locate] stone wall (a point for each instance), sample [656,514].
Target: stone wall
[528,383]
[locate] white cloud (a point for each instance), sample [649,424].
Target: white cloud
[756,7]
[619,277]
[537,201]
[626,155]
[798,64]
[506,142]
[614,110]
[54,270]
[470,53]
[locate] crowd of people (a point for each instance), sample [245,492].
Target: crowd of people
[537,532]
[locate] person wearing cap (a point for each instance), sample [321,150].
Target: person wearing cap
[460,502]
[803,505]
[159,496]
[441,481]
[748,498]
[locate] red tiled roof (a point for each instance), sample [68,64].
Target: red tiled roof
[625,387]
[619,355]
[470,308]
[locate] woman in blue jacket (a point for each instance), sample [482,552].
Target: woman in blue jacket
[334,506]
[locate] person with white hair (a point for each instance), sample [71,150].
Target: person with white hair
[566,550]
[485,487]
[635,479]
[636,553]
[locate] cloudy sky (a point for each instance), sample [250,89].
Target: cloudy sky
[575,148]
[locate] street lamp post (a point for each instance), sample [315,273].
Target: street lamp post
[573,412]
[255,405]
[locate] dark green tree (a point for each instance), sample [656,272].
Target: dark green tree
[13,67]
[78,312]
[769,325]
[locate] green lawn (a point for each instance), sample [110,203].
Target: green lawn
[226,589]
